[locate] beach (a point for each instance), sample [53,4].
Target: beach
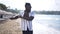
[10,27]
[42,24]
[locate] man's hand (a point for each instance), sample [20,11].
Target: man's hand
[26,16]
[12,18]
[16,17]
[30,18]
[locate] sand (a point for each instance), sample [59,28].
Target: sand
[10,27]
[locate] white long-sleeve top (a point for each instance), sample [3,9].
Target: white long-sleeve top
[26,23]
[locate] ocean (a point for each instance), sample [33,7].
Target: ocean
[46,24]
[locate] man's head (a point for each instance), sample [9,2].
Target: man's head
[28,6]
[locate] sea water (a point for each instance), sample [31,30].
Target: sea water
[46,24]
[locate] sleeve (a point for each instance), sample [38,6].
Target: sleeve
[32,14]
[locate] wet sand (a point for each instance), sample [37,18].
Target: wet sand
[10,27]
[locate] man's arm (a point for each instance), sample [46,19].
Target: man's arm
[16,17]
[29,18]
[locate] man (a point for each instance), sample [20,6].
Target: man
[26,19]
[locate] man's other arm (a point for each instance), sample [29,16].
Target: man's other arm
[29,18]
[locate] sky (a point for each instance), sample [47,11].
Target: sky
[38,5]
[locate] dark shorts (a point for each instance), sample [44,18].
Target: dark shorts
[27,32]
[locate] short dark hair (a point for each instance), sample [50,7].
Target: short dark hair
[27,4]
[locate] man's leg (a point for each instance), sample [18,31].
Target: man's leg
[24,32]
[29,29]
[29,32]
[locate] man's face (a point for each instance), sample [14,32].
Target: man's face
[28,7]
